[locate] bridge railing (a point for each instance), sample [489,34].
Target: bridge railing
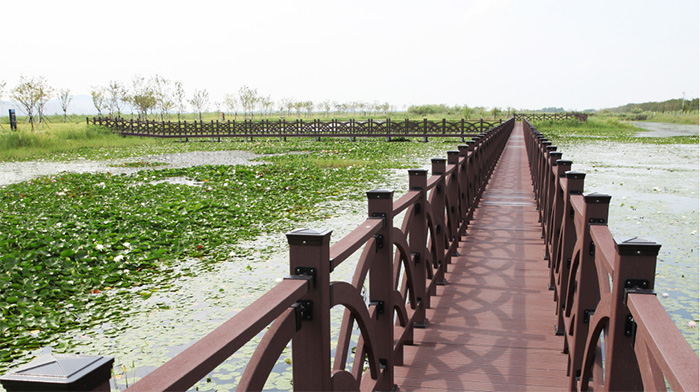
[583,117]
[400,264]
[617,334]
[297,128]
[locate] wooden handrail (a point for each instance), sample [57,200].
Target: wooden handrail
[196,361]
[602,286]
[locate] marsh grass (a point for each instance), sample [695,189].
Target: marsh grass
[602,129]
[61,138]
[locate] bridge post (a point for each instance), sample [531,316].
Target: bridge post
[463,192]
[582,297]
[634,269]
[471,180]
[453,209]
[309,254]
[418,181]
[380,206]
[561,266]
[437,202]
[550,181]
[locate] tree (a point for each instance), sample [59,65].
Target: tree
[495,112]
[200,102]
[116,95]
[29,93]
[231,103]
[467,112]
[2,88]
[142,97]
[287,104]
[45,93]
[64,98]
[309,107]
[162,94]
[325,107]
[265,104]
[179,98]
[99,98]
[248,98]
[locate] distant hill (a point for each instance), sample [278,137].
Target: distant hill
[672,105]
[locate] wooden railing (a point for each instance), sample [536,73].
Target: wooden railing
[298,128]
[617,334]
[401,265]
[583,117]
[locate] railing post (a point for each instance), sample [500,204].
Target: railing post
[309,254]
[380,206]
[418,181]
[437,202]
[635,267]
[561,265]
[583,292]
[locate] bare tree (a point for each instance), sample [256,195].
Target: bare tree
[2,88]
[99,98]
[179,98]
[29,93]
[231,104]
[200,102]
[248,98]
[64,98]
[116,96]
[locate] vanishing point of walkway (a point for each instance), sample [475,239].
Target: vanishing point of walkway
[492,326]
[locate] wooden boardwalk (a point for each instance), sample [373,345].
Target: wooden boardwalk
[492,326]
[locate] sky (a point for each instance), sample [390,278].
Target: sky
[493,53]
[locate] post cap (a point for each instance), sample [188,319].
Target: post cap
[380,194]
[417,172]
[53,372]
[308,237]
[564,162]
[636,246]
[575,175]
[597,198]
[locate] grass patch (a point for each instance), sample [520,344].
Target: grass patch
[71,139]
[602,129]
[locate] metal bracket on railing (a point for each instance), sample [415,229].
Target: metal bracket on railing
[636,290]
[591,249]
[587,315]
[416,257]
[379,305]
[303,310]
[596,221]
[306,273]
[379,215]
[379,242]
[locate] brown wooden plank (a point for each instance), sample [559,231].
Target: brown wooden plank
[492,326]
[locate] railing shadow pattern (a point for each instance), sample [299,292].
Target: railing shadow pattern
[402,265]
[617,334]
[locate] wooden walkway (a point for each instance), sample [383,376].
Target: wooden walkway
[492,326]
